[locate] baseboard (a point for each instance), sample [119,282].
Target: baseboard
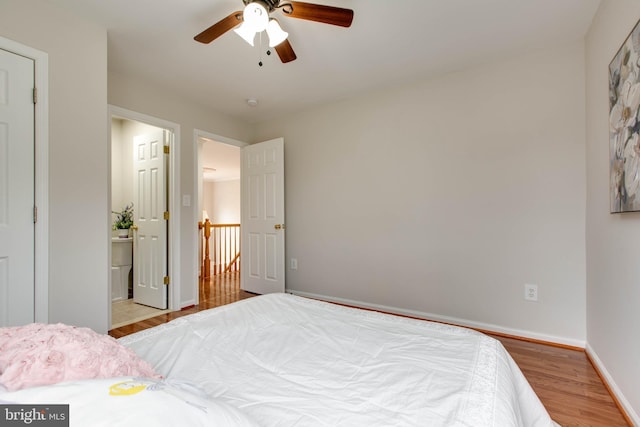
[486,327]
[187,304]
[623,404]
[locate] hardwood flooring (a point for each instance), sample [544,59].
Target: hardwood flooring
[564,379]
[566,383]
[219,290]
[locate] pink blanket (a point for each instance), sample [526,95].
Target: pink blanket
[40,354]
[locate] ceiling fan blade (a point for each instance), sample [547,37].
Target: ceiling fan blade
[285,52]
[319,13]
[219,28]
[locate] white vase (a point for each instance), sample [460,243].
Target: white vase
[123,233]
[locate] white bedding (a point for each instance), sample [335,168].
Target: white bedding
[127,402]
[291,361]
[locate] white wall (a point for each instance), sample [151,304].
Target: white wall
[224,197]
[446,196]
[207,198]
[141,96]
[78,195]
[117,167]
[613,241]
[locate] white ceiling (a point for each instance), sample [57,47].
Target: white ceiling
[224,159]
[389,42]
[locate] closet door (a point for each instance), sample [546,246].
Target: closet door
[17,232]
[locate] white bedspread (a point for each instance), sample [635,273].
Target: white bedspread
[291,361]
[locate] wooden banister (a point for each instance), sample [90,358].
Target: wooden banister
[233,261]
[224,240]
[206,261]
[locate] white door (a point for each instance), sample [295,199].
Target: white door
[17,232]
[262,217]
[149,206]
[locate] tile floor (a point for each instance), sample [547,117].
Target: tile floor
[126,311]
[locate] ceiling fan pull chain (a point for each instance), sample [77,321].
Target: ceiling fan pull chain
[260,49]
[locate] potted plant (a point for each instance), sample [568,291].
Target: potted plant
[124,220]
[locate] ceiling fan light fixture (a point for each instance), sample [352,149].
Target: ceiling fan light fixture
[256,15]
[247,33]
[255,19]
[276,34]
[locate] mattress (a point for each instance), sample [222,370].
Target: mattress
[285,360]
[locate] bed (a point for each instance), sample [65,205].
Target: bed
[283,360]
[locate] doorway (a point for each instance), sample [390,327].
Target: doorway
[262,211]
[219,195]
[137,253]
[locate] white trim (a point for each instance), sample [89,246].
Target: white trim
[41,267]
[195,213]
[635,418]
[446,319]
[174,196]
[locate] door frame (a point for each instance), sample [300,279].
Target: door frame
[173,235]
[41,170]
[197,181]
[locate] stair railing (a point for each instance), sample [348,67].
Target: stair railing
[220,248]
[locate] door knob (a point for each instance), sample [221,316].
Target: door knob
[134,227]
[279,226]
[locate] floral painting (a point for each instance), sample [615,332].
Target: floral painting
[624,126]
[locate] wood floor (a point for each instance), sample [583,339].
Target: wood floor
[566,383]
[220,290]
[564,379]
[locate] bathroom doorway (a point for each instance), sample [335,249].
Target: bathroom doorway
[133,272]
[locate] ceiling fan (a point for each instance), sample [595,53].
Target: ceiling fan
[256,18]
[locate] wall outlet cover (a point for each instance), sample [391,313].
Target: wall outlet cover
[531,292]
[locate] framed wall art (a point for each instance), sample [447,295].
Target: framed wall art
[624,126]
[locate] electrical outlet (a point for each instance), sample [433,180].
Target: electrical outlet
[531,292]
[294,263]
